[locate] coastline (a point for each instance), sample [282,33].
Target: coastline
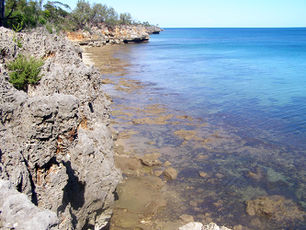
[52,135]
[56,134]
[145,127]
[146,173]
[151,143]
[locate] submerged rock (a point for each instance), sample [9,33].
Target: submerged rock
[150,159]
[170,173]
[186,218]
[202,174]
[130,212]
[275,207]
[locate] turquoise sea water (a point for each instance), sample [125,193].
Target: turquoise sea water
[251,78]
[251,85]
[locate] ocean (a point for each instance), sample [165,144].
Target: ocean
[251,78]
[249,86]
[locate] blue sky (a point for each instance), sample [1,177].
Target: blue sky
[212,13]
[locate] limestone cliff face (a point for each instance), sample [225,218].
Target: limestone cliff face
[102,34]
[56,146]
[18,212]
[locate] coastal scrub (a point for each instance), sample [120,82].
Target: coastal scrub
[24,71]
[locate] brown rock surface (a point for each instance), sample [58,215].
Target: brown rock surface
[170,173]
[102,35]
[150,159]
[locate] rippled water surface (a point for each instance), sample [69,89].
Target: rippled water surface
[234,110]
[252,78]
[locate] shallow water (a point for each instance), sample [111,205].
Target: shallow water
[231,105]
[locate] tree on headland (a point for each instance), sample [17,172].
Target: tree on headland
[85,16]
[57,15]
[125,19]
[81,15]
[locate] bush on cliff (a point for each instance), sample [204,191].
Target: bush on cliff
[24,71]
[34,13]
[86,15]
[125,19]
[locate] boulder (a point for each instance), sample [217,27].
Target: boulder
[18,212]
[150,159]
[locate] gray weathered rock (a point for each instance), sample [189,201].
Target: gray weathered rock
[153,30]
[56,146]
[18,212]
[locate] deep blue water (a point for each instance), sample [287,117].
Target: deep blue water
[254,79]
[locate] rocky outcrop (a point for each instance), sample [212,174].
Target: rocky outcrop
[102,34]
[56,146]
[153,30]
[18,212]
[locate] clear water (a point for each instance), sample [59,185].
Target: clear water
[250,86]
[252,78]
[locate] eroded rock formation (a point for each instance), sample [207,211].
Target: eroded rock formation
[102,35]
[18,212]
[56,146]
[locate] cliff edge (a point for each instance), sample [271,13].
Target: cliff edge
[102,34]
[56,146]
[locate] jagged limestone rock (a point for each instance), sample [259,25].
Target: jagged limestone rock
[56,146]
[18,212]
[102,35]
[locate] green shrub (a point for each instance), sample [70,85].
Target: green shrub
[24,71]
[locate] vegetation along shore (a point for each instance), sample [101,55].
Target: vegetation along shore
[67,156]
[57,165]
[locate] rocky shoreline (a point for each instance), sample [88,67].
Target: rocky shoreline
[102,35]
[142,123]
[57,168]
[146,175]
[56,146]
